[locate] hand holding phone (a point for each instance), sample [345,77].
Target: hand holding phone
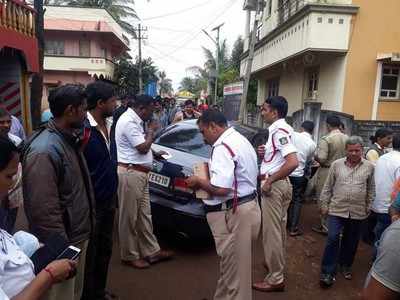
[71,253]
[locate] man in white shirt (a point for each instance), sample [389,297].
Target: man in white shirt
[279,161]
[387,172]
[306,147]
[138,244]
[233,213]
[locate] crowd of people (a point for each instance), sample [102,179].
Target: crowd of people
[90,162]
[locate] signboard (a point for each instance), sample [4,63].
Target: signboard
[233,88]
[151,89]
[232,96]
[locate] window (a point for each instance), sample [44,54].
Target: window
[103,52]
[312,83]
[390,82]
[186,139]
[52,47]
[84,48]
[269,8]
[273,87]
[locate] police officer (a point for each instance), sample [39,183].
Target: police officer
[330,148]
[233,213]
[279,161]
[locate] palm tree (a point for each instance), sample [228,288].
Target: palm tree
[164,83]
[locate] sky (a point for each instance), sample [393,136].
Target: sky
[174,31]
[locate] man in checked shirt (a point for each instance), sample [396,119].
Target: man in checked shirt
[346,198]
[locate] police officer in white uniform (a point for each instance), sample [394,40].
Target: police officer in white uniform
[279,161]
[233,213]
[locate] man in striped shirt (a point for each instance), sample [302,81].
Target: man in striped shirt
[346,198]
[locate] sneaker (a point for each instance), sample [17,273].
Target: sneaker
[326,280]
[346,272]
[319,229]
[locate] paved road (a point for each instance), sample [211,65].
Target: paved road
[193,273]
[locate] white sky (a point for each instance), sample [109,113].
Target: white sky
[174,42]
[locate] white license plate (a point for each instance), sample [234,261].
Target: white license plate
[159,179]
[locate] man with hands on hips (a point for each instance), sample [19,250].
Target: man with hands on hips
[233,213]
[279,160]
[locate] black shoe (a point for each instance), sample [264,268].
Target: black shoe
[326,280]
[346,272]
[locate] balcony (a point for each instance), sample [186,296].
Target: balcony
[17,16]
[304,26]
[91,65]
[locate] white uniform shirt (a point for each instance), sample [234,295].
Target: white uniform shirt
[13,138]
[387,171]
[221,166]
[306,147]
[278,146]
[16,269]
[129,133]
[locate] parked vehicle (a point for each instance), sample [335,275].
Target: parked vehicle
[175,206]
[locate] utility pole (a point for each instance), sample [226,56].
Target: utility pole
[217,63]
[140,37]
[260,4]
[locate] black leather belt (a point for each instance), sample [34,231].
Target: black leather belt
[228,204]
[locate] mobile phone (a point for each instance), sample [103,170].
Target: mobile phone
[71,253]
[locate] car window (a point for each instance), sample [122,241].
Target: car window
[186,139]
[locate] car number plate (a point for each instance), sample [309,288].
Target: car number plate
[159,179]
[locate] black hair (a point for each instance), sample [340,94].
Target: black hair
[396,142]
[98,91]
[4,112]
[333,121]
[143,101]
[278,103]
[61,97]
[7,152]
[213,115]
[189,102]
[308,126]
[380,133]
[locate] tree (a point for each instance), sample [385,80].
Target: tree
[127,72]
[237,51]
[164,83]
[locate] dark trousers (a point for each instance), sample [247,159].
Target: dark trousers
[383,221]
[99,254]
[299,185]
[340,251]
[368,230]
[8,217]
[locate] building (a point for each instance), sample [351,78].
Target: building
[18,57]
[344,53]
[81,45]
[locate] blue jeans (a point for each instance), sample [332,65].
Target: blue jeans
[383,221]
[340,250]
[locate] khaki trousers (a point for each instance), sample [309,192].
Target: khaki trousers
[72,288]
[321,174]
[135,227]
[274,211]
[233,236]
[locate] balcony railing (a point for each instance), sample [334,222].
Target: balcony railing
[288,8]
[17,15]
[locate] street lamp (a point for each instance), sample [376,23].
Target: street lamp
[216,42]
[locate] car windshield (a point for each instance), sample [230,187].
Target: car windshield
[187,139]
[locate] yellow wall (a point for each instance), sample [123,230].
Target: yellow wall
[375,30]
[389,111]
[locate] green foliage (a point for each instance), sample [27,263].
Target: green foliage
[127,73]
[165,84]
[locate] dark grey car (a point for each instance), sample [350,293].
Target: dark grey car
[174,205]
